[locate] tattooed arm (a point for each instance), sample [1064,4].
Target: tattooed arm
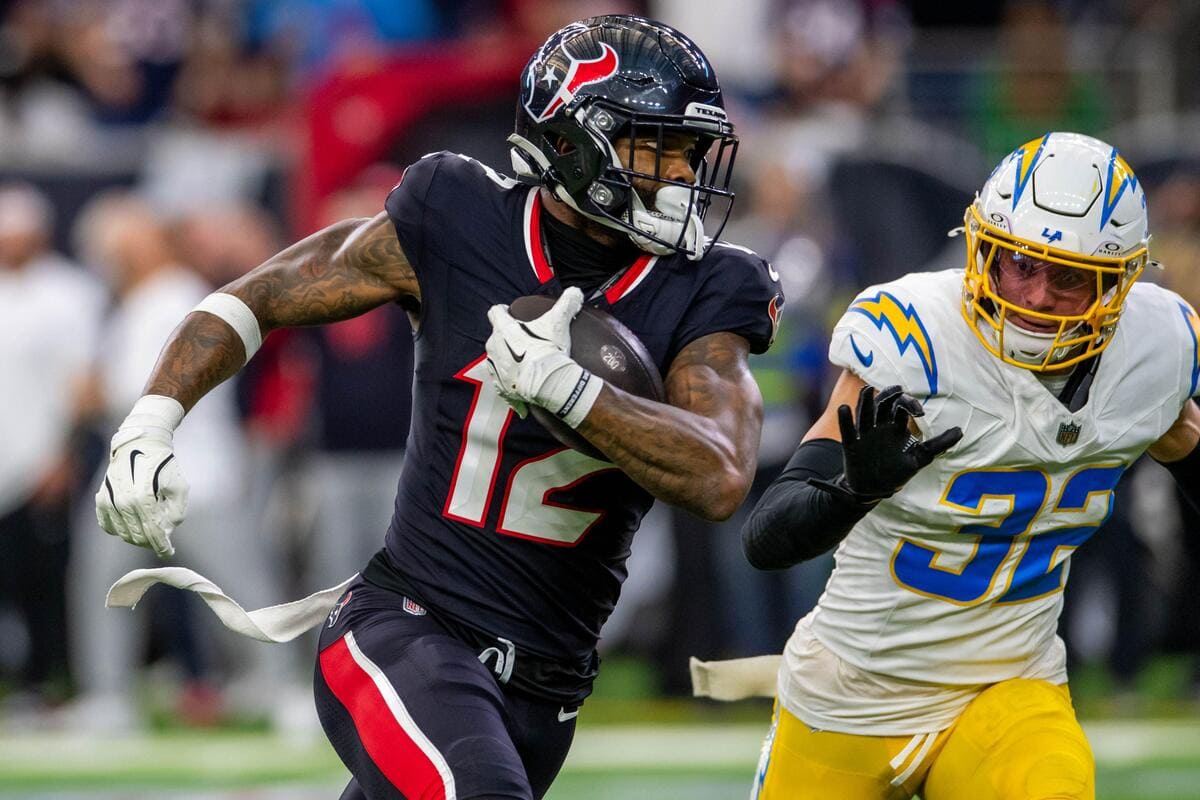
[699,450]
[337,273]
[342,271]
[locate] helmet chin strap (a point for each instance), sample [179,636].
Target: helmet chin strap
[666,222]
[1031,347]
[529,162]
[669,221]
[525,156]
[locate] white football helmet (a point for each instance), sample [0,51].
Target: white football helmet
[1065,201]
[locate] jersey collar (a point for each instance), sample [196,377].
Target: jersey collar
[633,276]
[630,279]
[532,227]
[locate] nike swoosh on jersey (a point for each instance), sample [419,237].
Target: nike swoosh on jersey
[865,359]
[564,715]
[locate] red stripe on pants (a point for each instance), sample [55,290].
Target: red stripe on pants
[384,736]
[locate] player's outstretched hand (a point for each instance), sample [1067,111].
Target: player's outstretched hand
[880,455]
[144,496]
[530,361]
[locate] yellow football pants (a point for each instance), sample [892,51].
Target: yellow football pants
[1018,740]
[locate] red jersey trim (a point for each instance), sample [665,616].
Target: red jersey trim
[533,237]
[632,278]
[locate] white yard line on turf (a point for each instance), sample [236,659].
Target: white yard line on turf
[635,747]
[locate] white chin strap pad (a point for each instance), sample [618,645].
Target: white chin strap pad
[1031,347]
[669,221]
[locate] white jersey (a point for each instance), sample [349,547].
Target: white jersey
[957,580]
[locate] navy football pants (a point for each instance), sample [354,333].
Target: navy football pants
[414,715]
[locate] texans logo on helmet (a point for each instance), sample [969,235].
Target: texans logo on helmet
[579,74]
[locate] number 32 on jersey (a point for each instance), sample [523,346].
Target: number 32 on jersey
[1038,568]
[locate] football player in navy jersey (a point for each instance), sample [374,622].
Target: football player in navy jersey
[456,664]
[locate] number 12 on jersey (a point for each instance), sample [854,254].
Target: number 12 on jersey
[1038,570]
[526,511]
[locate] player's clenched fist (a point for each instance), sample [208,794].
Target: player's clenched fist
[144,496]
[530,361]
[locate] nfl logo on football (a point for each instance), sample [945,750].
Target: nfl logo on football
[1068,433]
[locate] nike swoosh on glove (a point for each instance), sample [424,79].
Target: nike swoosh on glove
[144,495]
[529,361]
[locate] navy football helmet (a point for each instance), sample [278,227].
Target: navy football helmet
[605,78]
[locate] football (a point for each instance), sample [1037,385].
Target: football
[604,347]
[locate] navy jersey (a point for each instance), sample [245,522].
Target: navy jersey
[498,525]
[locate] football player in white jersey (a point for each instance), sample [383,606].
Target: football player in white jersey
[996,408]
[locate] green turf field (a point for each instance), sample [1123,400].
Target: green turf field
[631,744]
[1149,760]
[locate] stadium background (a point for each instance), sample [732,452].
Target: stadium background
[246,124]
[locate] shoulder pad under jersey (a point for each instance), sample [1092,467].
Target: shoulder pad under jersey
[889,334]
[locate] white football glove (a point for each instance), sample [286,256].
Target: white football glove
[144,496]
[529,361]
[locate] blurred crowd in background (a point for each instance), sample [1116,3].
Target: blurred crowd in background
[152,150]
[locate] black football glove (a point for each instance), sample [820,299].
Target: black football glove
[879,453]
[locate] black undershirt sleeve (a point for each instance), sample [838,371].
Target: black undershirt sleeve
[794,520]
[1187,474]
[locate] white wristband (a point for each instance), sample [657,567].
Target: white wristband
[155,411]
[237,315]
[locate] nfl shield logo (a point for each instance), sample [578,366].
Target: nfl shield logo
[416,609]
[1068,433]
